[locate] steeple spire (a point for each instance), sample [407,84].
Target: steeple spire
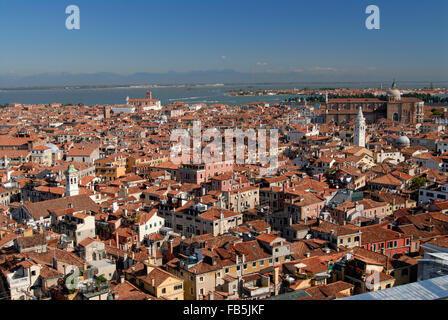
[360,114]
[394,85]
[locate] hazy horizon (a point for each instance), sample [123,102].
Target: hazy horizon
[207,77]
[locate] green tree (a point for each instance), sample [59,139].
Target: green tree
[417,183]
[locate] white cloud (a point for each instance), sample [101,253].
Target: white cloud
[262,63]
[327,69]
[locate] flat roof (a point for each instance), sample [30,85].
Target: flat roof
[431,289]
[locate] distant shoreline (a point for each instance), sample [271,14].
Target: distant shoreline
[155,86]
[205,85]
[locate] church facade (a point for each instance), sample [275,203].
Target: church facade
[405,110]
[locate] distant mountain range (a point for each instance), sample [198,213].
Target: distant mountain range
[173,78]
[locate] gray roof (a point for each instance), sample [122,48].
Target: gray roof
[432,289]
[294,295]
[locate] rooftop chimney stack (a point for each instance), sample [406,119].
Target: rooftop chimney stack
[170,246]
[153,250]
[276,278]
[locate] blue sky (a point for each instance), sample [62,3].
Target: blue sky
[309,37]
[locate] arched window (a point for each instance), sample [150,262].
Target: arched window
[396,117]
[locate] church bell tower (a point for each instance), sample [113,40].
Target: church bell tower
[359,138]
[71,181]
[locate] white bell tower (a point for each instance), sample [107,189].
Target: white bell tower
[359,138]
[71,181]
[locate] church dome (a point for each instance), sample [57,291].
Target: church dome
[394,93]
[54,148]
[403,141]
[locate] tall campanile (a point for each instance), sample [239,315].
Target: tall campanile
[359,138]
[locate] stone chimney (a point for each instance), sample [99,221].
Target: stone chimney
[276,279]
[170,246]
[153,250]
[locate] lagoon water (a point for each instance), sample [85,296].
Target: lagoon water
[212,94]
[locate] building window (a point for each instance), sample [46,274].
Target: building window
[178,287]
[163,290]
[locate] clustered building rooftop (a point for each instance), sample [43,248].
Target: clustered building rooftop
[357,204]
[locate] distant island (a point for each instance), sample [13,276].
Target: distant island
[429,95]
